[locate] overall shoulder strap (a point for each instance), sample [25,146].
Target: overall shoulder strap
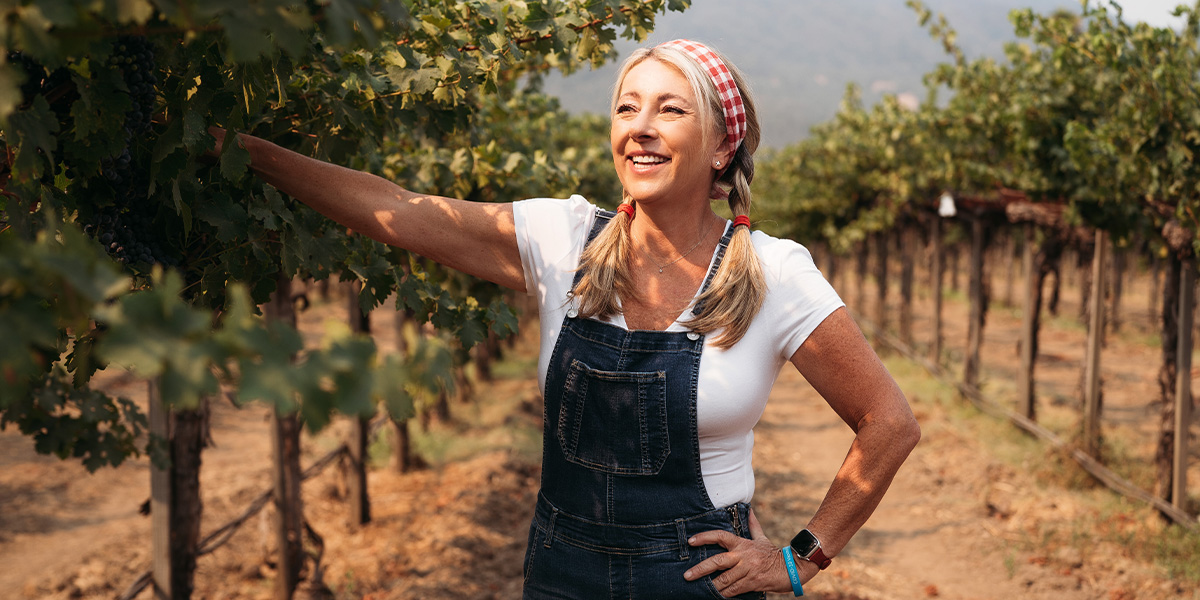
[722,244]
[602,219]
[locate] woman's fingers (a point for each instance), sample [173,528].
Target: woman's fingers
[720,562]
[756,530]
[716,537]
[746,566]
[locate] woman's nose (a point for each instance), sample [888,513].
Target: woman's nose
[643,126]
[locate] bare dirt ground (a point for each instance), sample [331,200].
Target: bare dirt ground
[976,513]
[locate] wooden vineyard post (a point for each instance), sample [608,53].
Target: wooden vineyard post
[175,503]
[1010,269]
[831,271]
[861,256]
[160,501]
[402,457]
[907,258]
[1164,451]
[1183,384]
[1155,271]
[935,274]
[978,300]
[288,509]
[360,502]
[1026,406]
[881,284]
[1117,285]
[1091,388]
[285,446]
[1086,276]
[955,259]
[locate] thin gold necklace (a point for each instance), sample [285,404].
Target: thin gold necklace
[681,256]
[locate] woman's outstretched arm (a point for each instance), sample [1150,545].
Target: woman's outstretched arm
[474,237]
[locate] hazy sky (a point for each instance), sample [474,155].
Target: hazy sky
[1154,12]
[800,64]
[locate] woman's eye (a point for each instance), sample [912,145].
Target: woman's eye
[673,110]
[625,108]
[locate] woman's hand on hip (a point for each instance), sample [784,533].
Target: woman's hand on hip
[749,565]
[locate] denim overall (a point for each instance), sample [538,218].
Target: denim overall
[622,489]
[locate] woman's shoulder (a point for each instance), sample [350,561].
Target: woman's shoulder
[572,207]
[780,255]
[551,230]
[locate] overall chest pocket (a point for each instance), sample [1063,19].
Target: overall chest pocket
[614,422]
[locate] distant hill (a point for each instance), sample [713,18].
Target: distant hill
[799,55]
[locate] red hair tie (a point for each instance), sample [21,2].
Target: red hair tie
[741,220]
[626,208]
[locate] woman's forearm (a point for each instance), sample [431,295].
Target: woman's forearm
[476,238]
[353,198]
[878,450]
[840,364]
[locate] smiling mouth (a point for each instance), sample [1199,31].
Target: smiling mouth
[646,160]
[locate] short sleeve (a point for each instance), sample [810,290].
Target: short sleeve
[550,233]
[799,296]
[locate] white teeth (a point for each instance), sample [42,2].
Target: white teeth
[648,160]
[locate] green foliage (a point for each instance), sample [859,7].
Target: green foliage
[1086,110]
[424,91]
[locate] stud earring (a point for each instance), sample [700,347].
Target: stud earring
[718,163]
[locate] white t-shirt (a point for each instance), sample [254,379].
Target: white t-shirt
[733,384]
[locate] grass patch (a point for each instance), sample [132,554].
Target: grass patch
[1176,550]
[949,294]
[916,383]
[502,414]
[1064,322]
[1105,522]
[517,364]
[457,441]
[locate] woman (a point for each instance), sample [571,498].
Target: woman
[663,328]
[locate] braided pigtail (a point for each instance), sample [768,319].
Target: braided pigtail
[739,285]
[604,263]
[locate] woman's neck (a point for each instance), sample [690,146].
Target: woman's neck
[670,231]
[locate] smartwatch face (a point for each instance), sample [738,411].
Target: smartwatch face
[805,543]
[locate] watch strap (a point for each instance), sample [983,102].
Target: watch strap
[818,558]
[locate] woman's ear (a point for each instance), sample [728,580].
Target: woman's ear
[721,158]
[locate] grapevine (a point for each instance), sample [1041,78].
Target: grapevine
[108,144]
[1088,113]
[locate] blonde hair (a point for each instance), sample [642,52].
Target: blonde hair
[737,290]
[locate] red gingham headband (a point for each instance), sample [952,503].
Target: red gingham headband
[731,98]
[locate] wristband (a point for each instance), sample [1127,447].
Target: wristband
[793,573]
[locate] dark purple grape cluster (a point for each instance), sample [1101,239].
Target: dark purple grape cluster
[123,220]
[118,170]
[128,236]
[133,55]
[114,208]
